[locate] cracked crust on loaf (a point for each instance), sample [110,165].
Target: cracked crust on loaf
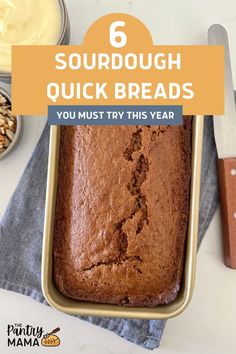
[122,213]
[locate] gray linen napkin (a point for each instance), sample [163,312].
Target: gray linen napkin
[21,232]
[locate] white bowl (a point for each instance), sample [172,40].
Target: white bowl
[64,38]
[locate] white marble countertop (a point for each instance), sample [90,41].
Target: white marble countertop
[208,325]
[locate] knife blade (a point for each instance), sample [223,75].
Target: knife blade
[225,138]
[225,126]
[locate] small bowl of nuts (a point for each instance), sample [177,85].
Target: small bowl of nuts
[10,125]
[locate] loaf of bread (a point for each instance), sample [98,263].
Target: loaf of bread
[122,213]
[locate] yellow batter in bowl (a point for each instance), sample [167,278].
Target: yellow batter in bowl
[27,22]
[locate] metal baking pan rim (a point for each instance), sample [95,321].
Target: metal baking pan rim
[75,307]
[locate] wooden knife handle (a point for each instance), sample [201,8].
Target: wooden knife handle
[227,184]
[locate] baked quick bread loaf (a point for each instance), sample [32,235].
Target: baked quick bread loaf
[122,213]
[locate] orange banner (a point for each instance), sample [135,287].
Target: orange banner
[118,65]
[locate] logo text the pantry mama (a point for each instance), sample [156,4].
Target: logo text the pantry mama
[31,336]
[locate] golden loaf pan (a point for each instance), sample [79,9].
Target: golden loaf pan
[75,307]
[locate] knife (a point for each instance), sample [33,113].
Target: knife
[225,138]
